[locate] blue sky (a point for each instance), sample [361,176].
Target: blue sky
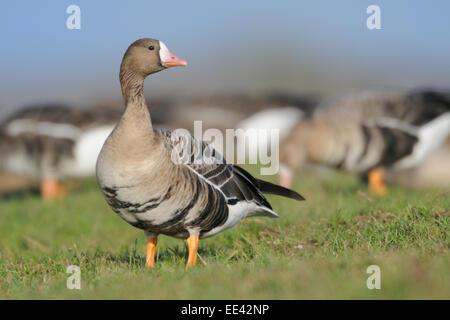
[247,46]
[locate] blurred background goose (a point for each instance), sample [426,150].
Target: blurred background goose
[369,132]
[48,143]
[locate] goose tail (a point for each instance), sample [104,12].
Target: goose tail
[270,188]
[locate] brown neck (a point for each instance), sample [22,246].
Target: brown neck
[136,112]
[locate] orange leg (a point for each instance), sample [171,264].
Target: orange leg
[151,249]
[51,189]
[376,181]
[193,246]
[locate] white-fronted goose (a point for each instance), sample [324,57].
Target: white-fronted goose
[144,186]
[50,142]
[367,133]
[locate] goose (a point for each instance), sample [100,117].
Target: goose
[50,142]
[369,133]
[145,182]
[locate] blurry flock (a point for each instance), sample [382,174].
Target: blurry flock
[402,138]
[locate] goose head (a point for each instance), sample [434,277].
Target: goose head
[146,56]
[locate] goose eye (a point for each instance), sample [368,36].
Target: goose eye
[151,48]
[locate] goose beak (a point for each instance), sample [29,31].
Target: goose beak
[173,61]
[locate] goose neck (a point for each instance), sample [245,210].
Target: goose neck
[136,110]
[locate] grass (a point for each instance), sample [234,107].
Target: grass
[319,248]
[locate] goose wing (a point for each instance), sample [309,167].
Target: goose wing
[405,144]
[233,182]
[427,105]
[410,127]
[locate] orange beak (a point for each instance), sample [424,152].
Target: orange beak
[173,61]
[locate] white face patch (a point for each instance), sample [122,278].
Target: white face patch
[164,53]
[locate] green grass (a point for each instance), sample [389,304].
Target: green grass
[320,248]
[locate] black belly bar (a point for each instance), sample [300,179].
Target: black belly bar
[213,214]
